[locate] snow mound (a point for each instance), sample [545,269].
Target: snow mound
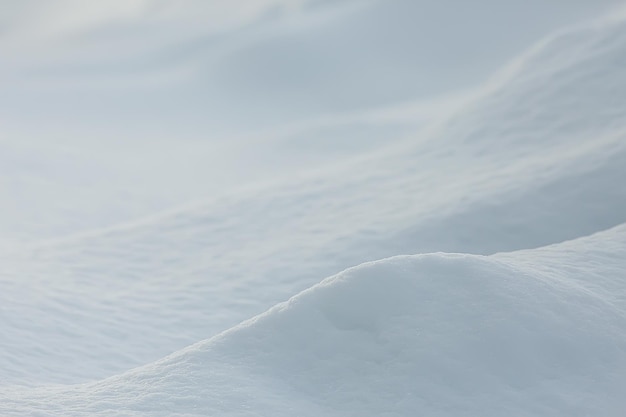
[538,158]
[537,332]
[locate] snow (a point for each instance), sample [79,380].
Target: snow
[536,332]
[488,224]
[152,106]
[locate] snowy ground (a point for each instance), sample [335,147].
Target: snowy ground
[161,201]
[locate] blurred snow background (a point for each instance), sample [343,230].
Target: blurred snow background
[114,110]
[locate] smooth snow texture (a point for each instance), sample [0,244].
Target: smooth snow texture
[538,157]
[537,332]
[534,156]
[162,103]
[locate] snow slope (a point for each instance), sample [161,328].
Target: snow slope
[160,103]
[537,157]
[535,332]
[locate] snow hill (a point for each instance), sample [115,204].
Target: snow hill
[536,332]
[536,159]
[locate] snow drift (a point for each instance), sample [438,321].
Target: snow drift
[537,158]
[537,332]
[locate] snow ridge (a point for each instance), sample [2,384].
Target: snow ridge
[526,333]
[506,326]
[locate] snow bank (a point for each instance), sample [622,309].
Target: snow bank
[538,158]
[538,332]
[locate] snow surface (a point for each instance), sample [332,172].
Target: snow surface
[124,108]
[536,332]
[522,177]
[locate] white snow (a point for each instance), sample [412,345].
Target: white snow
[536,332]
[127,287]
